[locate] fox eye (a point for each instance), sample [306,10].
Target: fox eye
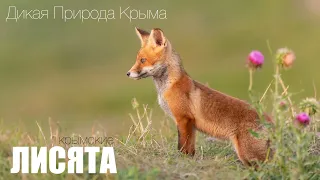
[143,60]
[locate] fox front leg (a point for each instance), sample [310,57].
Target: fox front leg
[186,137]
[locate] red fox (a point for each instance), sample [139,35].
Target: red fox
[193,105]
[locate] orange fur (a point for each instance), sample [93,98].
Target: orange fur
[193,105]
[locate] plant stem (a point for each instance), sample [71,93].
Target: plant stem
[276,115]
[285,93]
[250,79]
[276,93]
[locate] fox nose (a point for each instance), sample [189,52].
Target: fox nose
[128,74]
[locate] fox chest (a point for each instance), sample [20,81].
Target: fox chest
[162,84]
[164,105]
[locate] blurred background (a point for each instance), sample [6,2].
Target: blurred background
[75,72]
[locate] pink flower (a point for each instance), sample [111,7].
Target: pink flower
[255,59]
[286,57]
[283,105]
[303,118]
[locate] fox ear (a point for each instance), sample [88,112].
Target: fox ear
[156,38]
[143,35]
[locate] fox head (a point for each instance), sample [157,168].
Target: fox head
[151,57]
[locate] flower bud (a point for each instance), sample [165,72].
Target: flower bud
[134,103]
[285,57]
[255,59]
[309,105]
[283,105]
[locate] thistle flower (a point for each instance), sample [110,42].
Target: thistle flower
[303,119]
[309,105]
[255,59]
[283,105]
[285,57]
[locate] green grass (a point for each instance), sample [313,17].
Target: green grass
[149,153]
[154,156]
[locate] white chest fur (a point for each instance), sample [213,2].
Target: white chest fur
[161,86]
[164,105]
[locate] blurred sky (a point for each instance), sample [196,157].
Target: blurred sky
[75,71]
